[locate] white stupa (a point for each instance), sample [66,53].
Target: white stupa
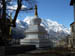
[36,34]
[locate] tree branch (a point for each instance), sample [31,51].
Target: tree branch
[17,11]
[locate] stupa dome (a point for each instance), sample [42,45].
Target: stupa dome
[35,21]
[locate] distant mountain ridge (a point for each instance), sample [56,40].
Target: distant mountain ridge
[55,30]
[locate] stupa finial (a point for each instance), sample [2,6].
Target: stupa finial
[36,13]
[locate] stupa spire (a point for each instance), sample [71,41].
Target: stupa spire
[36,13]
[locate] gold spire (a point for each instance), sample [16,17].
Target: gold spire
[36,14]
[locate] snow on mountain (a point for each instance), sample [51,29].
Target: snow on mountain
[18,31]
[55,30]
[21,24]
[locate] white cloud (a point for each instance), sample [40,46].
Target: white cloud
[14,7]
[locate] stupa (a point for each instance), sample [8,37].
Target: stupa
[36,34]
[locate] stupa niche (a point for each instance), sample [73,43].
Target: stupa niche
[36,34]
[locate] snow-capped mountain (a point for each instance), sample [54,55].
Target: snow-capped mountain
[55,30]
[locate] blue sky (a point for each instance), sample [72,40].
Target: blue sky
[56,10]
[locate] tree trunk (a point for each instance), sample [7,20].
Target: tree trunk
[4,10]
